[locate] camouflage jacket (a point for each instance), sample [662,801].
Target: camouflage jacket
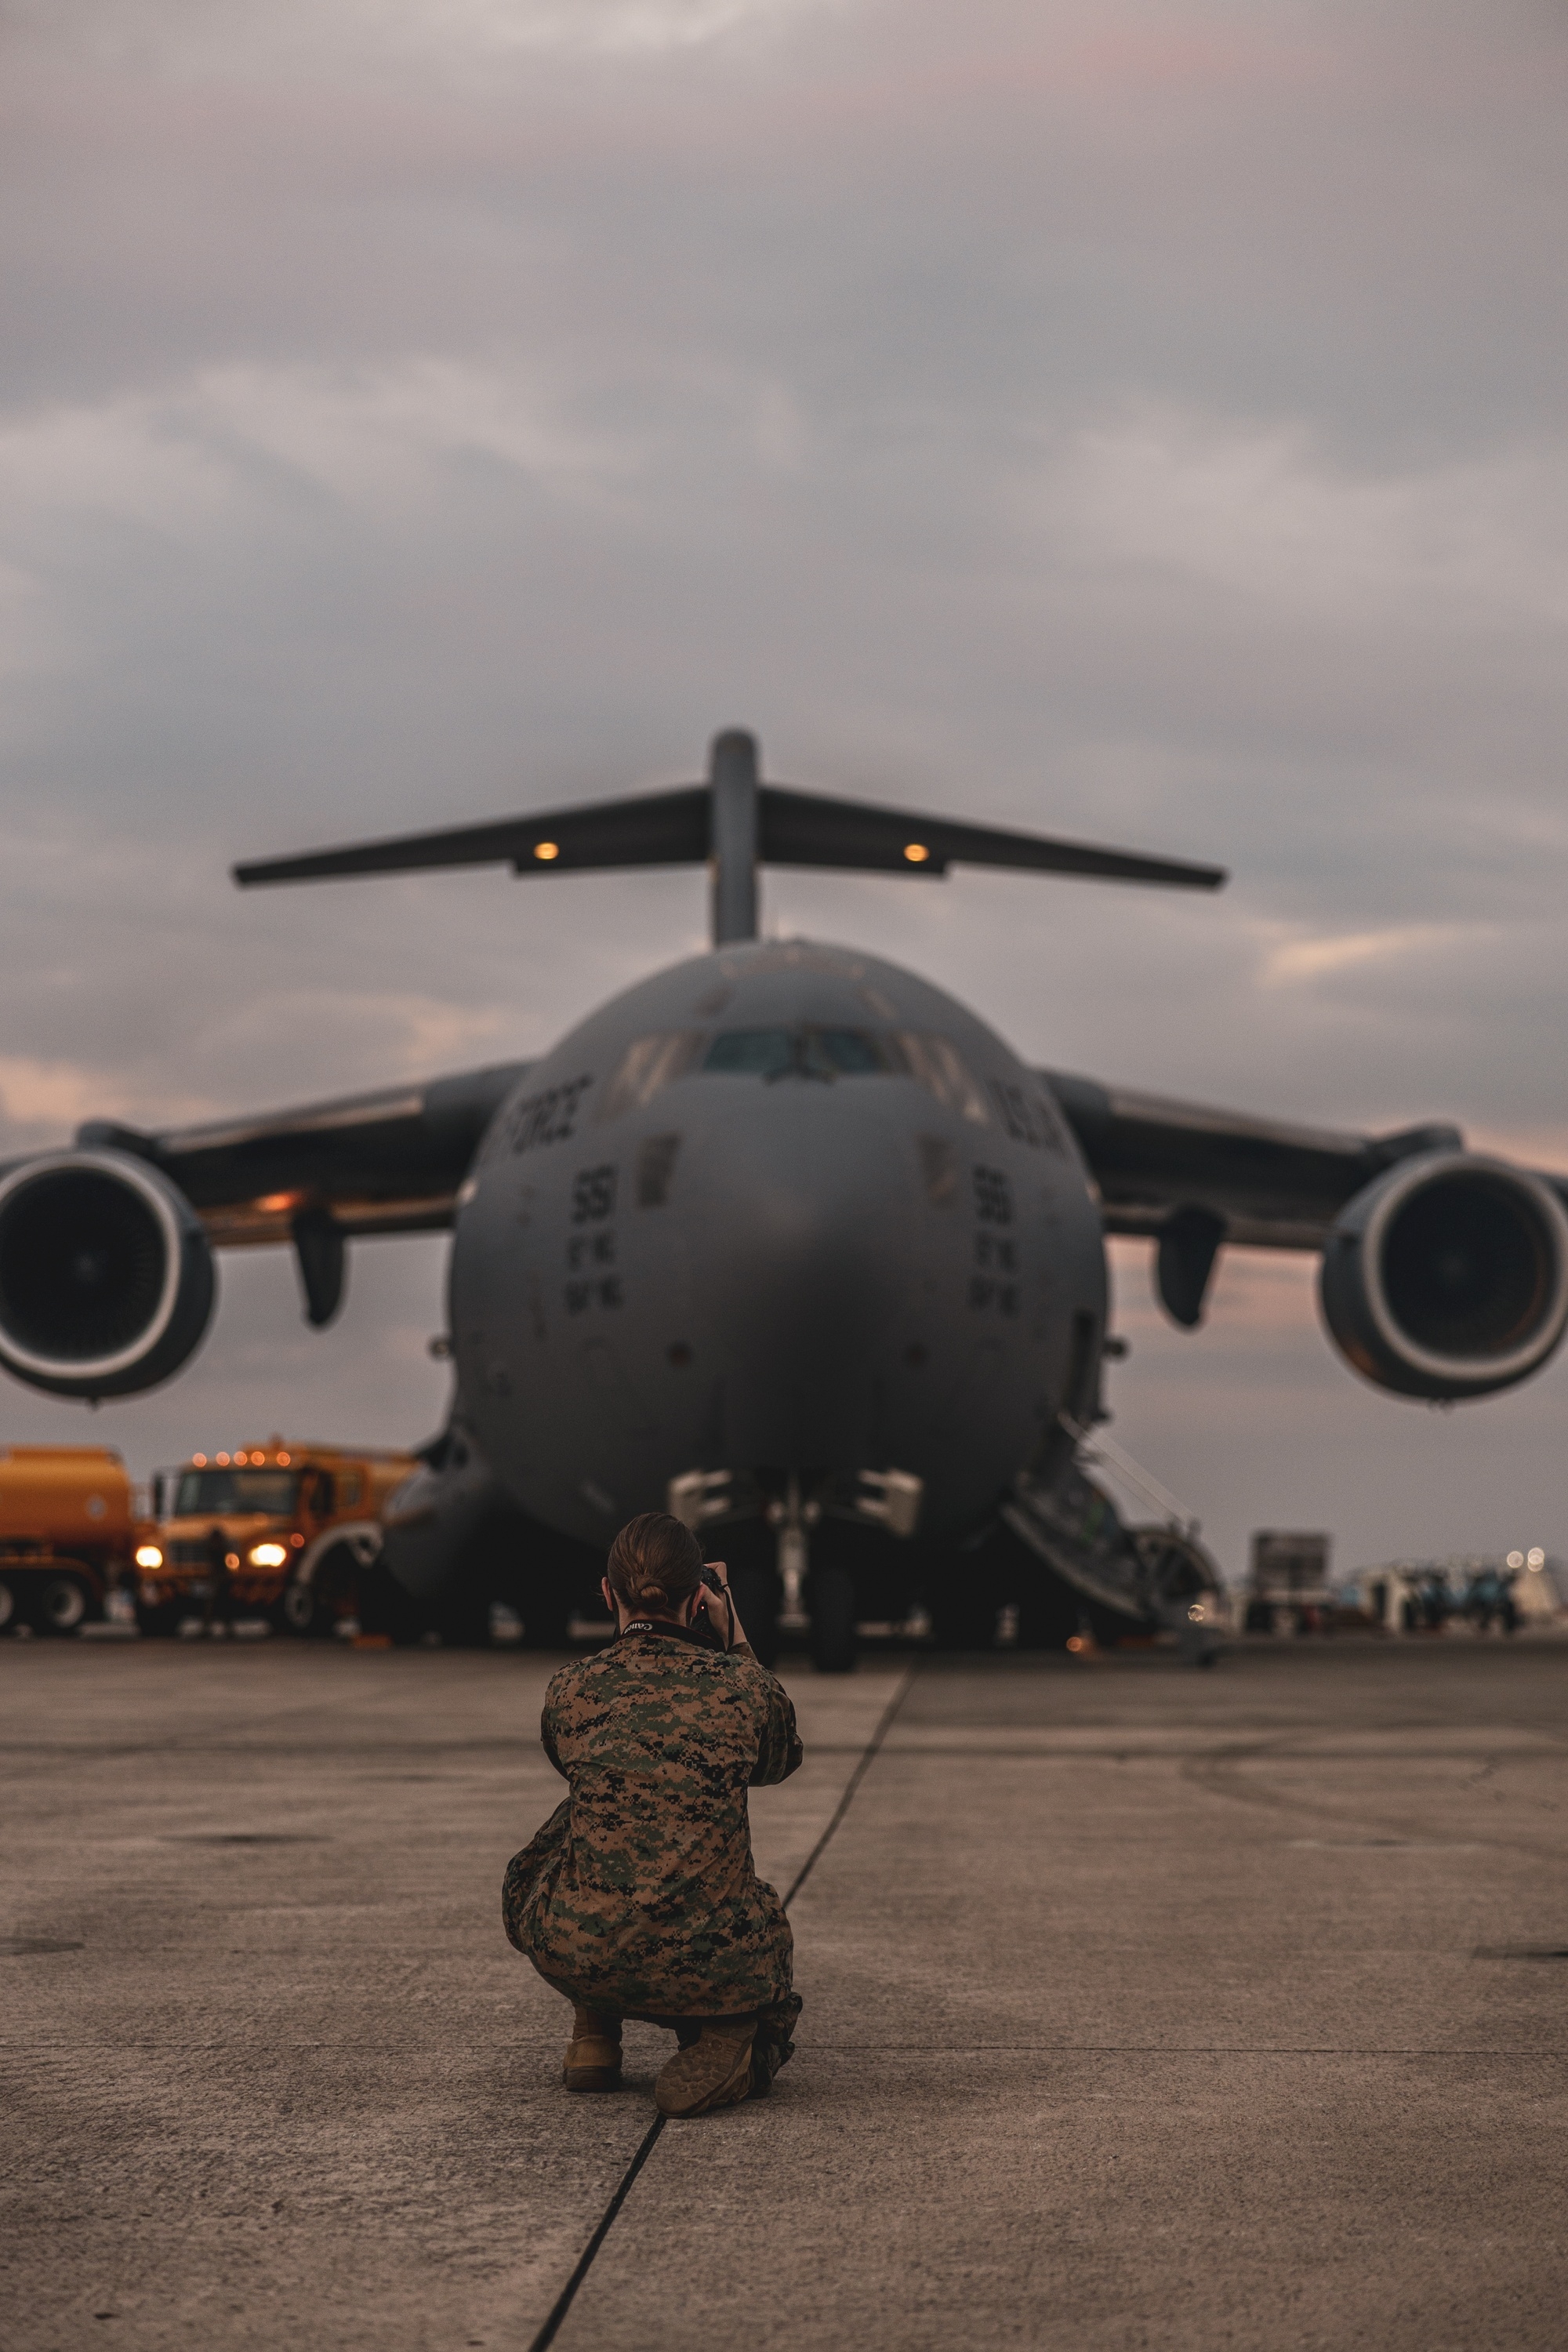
[638,1894]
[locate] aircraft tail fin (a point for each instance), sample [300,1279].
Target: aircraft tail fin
[734,822]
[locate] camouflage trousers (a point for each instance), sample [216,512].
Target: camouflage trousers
[573,1907]
[773,2048]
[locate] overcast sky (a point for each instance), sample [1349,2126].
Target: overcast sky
[1143,422]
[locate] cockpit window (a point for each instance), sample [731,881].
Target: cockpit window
[802,1053]
[936,1064]
[647,1067]
[856,1050]
[652,1063]
[751,1053]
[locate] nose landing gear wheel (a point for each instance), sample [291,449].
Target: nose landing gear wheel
[832,1606]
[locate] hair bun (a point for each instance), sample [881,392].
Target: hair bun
[655,1563]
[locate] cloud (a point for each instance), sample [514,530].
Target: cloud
[382,1029]
[48,1096]
[379,437]
[215,36]
[1267,512]
[1312,959]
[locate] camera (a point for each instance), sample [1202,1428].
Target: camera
[702,1624]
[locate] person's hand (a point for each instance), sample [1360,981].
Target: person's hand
[730,1632]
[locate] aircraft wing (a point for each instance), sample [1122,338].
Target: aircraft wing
[388,1162]
[1271,1183]
[391,1162]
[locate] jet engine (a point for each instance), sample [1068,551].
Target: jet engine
[106,1277]
[1449,1277]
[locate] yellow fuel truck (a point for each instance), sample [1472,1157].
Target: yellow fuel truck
[66,1534]
[303,1523]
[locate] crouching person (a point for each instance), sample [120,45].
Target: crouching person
[638,1898]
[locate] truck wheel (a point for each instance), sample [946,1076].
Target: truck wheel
[62,1603]
[8,1608]
[294,1608]
[831,1600]
[307,1609]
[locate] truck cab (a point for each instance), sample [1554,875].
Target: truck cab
[301,1523]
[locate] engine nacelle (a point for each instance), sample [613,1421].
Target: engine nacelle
[106,1277]
[1449,1277]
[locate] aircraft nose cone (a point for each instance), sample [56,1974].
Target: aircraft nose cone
[803,1296]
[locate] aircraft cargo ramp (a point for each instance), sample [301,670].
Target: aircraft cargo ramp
[1143,2007]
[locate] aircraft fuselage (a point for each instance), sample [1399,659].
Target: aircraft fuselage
[782,1210]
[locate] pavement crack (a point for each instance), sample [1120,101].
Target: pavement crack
[562,2302]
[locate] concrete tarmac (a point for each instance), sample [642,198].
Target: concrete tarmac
[1144,2008]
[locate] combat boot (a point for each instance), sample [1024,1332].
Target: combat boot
[713,2071]
[593,2053]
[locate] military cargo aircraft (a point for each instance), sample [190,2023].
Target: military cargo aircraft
[784,1239]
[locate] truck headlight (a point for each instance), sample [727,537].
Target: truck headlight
[267,1555]
[149,1556]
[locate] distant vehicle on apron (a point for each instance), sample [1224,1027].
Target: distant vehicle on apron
[66,1534]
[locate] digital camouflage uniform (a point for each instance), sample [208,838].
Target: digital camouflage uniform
[638,1895]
